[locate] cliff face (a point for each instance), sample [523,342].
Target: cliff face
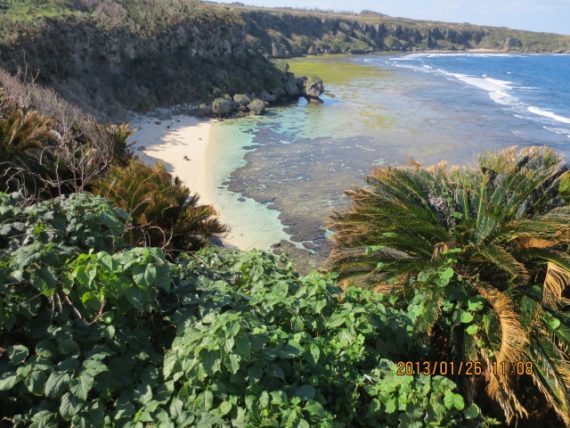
[110,70]
[282,35]
[114,60]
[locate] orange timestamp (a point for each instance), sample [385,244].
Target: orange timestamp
[459,368]
[442,368]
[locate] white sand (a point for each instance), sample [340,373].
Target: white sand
[185,145]
[181,143]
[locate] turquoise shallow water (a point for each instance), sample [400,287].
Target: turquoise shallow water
[299,159]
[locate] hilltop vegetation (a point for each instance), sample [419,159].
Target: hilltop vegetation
[110,56]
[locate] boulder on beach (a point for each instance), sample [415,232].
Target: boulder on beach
[205,109]
[222,106]
[257,106]
[241,100]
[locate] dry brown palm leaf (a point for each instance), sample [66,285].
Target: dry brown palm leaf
[414,163]
[397,284]
[382,288]
[556,280]
[562,412]
[535,243]
[514,341]
[440,248]
[502,391]
[555,393]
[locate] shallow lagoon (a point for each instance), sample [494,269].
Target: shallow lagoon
[299,159]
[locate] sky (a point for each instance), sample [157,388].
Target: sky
[535,15]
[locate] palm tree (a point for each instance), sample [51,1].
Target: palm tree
[502,230]
[24,137]
[163,211]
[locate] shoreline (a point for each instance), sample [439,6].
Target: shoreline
[187,147]
[181,143]
[178,143]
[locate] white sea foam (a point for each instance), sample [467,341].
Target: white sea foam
[549,114]
[498,90]
[558,131]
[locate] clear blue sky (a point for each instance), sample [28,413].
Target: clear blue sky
[536,15]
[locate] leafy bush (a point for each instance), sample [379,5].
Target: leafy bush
[479,257]
[262,347]
[75,314]
[163,212]
[113,336]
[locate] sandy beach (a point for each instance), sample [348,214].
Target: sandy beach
[181,143]
[185,145]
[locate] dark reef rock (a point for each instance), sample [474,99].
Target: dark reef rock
[205,109]
[267,97]
[222,107]
[257,106]
[292,86]
[313,88]
[241,100]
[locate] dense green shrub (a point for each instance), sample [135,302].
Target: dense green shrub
[114,336]
[75,313]
[263,347]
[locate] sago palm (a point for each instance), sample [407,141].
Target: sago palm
[504,228]
[24,136]
[163,211]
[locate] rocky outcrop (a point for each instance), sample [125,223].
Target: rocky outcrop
[241,100]
[290,87]
[222,107]
[313,88]
[267,97]
[257,106]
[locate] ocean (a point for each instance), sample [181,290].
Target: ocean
[297,160]
[534,88]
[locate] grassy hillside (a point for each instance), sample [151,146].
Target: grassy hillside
[110,56]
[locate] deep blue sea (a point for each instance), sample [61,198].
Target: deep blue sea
[533,88]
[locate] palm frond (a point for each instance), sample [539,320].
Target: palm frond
[513,345]
[556,281]
[504,261]
[551,376]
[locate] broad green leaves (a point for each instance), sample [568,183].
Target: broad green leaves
[7,380]
[121,337]
[289,354]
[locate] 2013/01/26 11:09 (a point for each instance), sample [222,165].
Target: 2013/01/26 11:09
[468,368]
